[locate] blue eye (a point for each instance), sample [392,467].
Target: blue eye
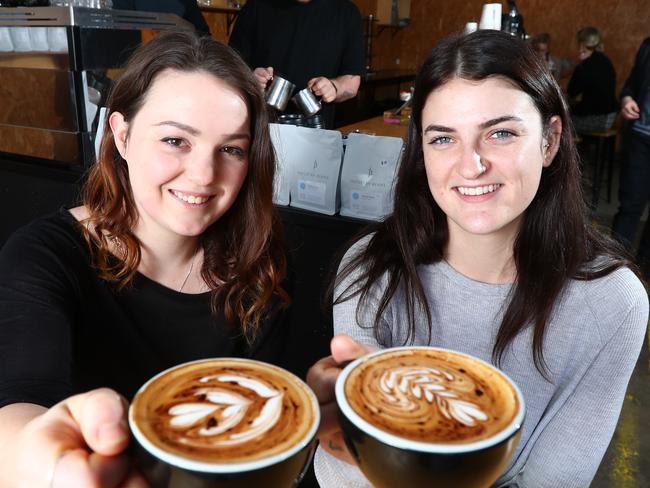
[502,134]
[440,140]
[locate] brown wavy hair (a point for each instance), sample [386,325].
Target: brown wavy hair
[244,262]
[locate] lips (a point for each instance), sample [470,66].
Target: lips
[191,198]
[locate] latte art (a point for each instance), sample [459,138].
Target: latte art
[431,396]
[410,390]
[225,411]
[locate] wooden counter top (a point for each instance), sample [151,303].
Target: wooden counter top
[376,126]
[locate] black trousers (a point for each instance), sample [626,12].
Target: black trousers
[634,194]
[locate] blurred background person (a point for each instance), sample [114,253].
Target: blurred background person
[634,190]
[186,9]
[592,87]
[560,67]
[312,43]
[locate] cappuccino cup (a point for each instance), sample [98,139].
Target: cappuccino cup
[423,416]
[224,422]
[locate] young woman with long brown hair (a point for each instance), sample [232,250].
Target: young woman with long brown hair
[172,257]
[489,252]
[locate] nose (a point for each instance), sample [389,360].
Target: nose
[471,164]
[201,169]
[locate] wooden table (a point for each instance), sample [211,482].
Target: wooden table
[376,126]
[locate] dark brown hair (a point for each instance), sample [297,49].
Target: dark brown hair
[244,263]
[555,242]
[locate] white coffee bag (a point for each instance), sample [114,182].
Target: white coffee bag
[315,159]
[367,177]
[282,136]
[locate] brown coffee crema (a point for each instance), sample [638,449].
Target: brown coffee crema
[432,396]
[225,411]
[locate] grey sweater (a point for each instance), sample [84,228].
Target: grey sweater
[592,343]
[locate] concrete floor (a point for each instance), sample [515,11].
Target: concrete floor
[627,461]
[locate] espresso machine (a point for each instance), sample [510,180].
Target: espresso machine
[57,65]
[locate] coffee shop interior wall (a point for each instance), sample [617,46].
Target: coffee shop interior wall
[624,24]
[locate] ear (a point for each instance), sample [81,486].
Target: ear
[551,141]
[120,129]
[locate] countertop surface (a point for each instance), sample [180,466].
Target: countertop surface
[389,75]
[377,127]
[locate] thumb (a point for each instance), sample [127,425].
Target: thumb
[270,71]
[101,416]
[344,348]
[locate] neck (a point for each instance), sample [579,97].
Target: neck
[485,258]
[168,259]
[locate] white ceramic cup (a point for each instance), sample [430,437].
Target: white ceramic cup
[471,27]
[491,16]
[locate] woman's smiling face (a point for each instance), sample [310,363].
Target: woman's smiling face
[484,151]
[186,150]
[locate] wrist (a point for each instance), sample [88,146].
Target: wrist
[336,90]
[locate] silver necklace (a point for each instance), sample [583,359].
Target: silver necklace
[189,272]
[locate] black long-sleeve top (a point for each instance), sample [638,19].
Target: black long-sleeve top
[63,330]
[595,80]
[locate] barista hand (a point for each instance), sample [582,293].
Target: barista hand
[77,443]
[629,108]
[321,377]
[324,88]
[263,76]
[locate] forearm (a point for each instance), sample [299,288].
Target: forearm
[347,87]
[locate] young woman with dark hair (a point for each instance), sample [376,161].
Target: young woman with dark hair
[173,256]
[489,252]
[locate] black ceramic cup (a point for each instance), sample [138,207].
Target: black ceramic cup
[389,456]
[200,397]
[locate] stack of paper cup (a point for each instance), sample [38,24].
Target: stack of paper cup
[470,27]
[491,16]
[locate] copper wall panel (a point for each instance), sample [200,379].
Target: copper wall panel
[40,98]
[624,23]
[57,146]
[218,24]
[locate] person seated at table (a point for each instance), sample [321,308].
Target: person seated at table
[173,256]
[592,87]
[560,67]
[489,251]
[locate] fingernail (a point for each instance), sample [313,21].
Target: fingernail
[111,434]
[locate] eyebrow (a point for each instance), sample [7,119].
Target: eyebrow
[484,125]
[187,128]
[195,132]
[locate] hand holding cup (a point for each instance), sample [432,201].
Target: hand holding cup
[79,442]
[263,76]
[323,87]
[322,378]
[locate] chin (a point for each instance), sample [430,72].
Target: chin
[192,229]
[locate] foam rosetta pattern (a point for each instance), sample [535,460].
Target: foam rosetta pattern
[225,412]
[434,397]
